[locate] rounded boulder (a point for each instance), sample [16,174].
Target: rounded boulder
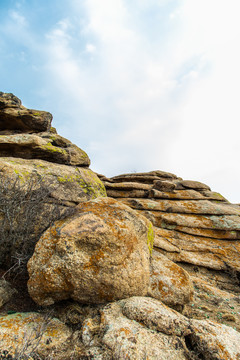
[99,254]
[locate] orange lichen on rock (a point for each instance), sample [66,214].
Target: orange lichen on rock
[98,254]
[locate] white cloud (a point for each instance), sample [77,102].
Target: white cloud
[170,103]
[18,18]
[147,84]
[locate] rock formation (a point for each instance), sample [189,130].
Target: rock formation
[152,271]
[32,152]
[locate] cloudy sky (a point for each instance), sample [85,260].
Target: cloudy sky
[140,85]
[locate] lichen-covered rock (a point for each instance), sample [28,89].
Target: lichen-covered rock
[168,281]
[99,254]
[176,221]
[200,207]
[33,334]
[218,254]
[132,340]
[155,315]
[59,189]
[14,116]
[52,148]
[214,341]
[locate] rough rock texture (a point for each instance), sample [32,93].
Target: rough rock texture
[99,254]
[197,229]
[32,334]
[48,147]
[32,154]
[143,328]
[131,340]
[168,281]
[214,341]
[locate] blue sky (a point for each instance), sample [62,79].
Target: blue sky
[139,85]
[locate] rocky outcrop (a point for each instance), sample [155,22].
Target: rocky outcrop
[149,272]
[33,157]
[195,228]
[193,224]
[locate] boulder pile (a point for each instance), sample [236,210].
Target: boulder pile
[138,266]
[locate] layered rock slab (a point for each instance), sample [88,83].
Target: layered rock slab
[99,254]
[192,223]
[48,147]
[14,116]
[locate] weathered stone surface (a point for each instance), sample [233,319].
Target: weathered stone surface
[60,188]
[67,183]
[155,315]
[119,194]
[211,233]
[214,341]
[14,116]
[129,339]
[6,292]
[169,282]
[99,254]
[185,195]
[212,253]
[31,334]
[127,186]
[198,207]
[172,221]
[210,302]
[147,177]
[52,148]
[164,185]
[190,184]
[8,100]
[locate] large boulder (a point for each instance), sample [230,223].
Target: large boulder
[97,255]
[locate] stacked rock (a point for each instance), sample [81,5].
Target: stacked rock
[195,227]
[31,152]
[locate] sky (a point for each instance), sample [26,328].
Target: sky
[140,85]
